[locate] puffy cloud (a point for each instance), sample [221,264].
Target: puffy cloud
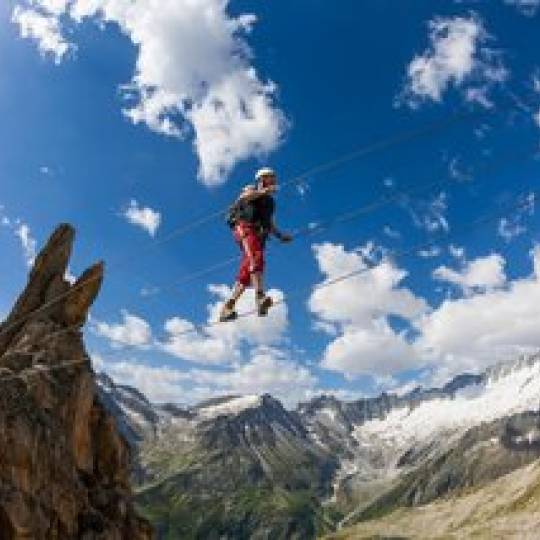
[209,343]
[372,349]
[132,332]
[186,341]
[193,72]
[222,343]
[495,319]
[143,217]
[271,371]
[43,26]
[253,330]
[159,384]
[267,371]
[483,273]
[358,310]
[473,332]
[364,297]
[457,56]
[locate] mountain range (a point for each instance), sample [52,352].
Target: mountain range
[246,467]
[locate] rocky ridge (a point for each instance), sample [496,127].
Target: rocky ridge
[64,468]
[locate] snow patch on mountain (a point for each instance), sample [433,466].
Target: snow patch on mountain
[232,406]
[504,392]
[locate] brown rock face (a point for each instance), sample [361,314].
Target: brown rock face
[64,469]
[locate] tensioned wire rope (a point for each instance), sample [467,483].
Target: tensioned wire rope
[497,164]
[383,144]
[523,203]
[323,225]
[363,151]
[349,215]
[308,177]
[383,201]
[303,178]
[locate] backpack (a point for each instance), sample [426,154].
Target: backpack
[239,210]
[232,215]
[251,212]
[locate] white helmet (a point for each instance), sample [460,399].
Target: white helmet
[265,171]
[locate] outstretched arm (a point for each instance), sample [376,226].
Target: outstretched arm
[283,237]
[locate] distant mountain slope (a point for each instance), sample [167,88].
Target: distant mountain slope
[508,508]
[242,467]
[383,438]
[484,453]
[295,474]
[136,417]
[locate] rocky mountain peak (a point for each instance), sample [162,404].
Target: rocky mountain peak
[48,294]
[64,468]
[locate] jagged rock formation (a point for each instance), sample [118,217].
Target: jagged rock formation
[64,468]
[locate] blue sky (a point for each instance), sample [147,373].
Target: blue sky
[107,110]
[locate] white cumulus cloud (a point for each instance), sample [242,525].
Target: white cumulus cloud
[483,273]
[476,331]
[358,309]
[374,349]
[143,217]
[133,331]
[213,343]
[495,318]
[457,56]
[267,371]
[210,343]
[193,72]
[42,26]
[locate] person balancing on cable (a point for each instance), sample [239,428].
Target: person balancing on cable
[251,219]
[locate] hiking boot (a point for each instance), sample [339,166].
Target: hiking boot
[228,312]
[264,303]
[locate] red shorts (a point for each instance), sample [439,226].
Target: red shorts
[252,248]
